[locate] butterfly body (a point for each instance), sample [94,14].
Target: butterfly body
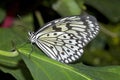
[64,39]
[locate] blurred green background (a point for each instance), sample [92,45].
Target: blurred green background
[17,17]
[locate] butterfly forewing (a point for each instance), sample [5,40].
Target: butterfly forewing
[63,39]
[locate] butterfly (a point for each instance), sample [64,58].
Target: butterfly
[64,39]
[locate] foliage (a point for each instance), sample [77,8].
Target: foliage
[26,62]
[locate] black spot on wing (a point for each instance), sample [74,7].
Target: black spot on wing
[56,28]
[68,26]
[55,34]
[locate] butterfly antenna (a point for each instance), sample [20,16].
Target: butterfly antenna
[19,17]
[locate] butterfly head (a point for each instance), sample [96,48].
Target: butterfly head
[32,37]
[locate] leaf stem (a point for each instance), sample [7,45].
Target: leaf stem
[8,54]
[106,31]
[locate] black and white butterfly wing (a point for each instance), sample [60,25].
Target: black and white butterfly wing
[63,39]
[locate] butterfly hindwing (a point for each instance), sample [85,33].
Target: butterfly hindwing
[63,39]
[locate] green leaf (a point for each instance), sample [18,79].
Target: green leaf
[67,7]
[16,35]
[42,67]
[109,8]
[11,63]
[100,73]
[9,58]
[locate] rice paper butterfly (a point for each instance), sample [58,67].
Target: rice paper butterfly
[64,39]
